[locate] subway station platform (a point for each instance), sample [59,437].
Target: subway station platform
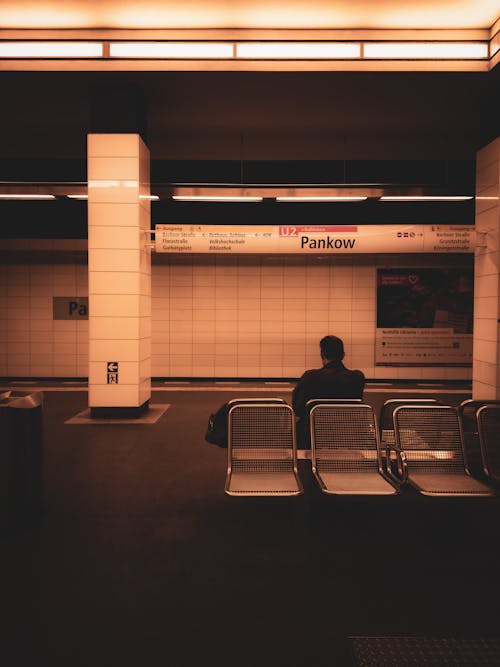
[140,558]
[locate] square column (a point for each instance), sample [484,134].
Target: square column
[119,220]
[486,350]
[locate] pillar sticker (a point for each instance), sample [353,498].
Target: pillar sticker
[112,367]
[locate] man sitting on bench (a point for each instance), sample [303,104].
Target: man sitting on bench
[333,380]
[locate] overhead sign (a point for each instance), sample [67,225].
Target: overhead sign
[310,239]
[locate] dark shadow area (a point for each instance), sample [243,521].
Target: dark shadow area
[141,559]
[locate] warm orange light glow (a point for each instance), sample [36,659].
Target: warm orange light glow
[273,14]
[47,14]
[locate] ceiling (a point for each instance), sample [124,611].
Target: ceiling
[250,14]
[395,128]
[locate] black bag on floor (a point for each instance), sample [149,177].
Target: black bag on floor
[217,427]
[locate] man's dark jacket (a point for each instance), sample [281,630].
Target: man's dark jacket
[334,380]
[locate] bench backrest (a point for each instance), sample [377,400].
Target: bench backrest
[261,437]
[344,438]
[431,437]
[488,418]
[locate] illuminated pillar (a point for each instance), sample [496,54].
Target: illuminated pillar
[486,352]
[119,275]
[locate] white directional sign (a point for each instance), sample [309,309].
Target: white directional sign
[310,239]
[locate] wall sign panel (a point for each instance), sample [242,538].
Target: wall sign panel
[70,308]
[340,239]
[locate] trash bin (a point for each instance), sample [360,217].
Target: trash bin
[21,458]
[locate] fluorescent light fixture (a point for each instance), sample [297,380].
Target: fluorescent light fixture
[426,50]
[150,197]
[171,50]
[313,198]
[298,50]
[50,50]
[77,196]
[26,197]
[228,198]
[430,198]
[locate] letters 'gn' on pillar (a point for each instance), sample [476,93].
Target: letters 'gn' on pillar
[119,275]
[486,353]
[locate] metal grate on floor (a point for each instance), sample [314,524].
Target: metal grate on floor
[424,652]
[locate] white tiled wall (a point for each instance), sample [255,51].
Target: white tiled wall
[246,316]
[32,343]
[254,316]
[486,380]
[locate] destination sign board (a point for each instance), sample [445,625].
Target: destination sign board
[309,239]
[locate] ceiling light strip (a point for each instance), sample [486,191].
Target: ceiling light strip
[26,197]
[298,50]
[313,199]
[51,49]
[264,50]
[426,198]
[175,50]
[216,198]
[426,50]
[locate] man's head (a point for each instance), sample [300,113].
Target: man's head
[332,349]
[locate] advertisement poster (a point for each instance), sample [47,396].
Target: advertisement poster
[424,317]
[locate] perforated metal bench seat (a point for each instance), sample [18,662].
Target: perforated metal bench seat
[345,450]
[259,483]
[356,483]
[431,438]
[448,484]
[488,417]
[262,452]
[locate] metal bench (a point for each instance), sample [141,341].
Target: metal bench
[386,419]
[488,420]
[345,450]
[262,451]
[467,412]
[429,437]
[246,401]
[386,426]
[303,428]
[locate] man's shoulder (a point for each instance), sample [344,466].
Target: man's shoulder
[349,375]
[311,373]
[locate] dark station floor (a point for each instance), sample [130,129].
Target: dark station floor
[142,560]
